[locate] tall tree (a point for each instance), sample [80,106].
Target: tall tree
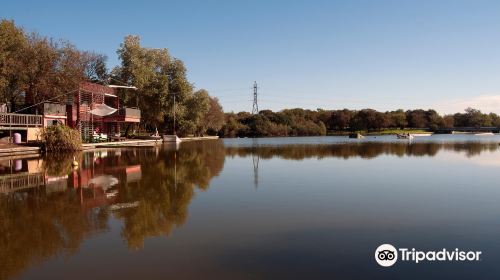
[213,120]
[474,117]
[182,90]
[148,70]
[13,44]
[199,106]
[52,69]
[399,118]
[95,69]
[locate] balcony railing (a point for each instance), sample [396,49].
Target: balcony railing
[9,119]
[130,113]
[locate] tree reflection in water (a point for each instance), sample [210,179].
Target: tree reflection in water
[54,216]
[69,205]
[365,150]
[167,187]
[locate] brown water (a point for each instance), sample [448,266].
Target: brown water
[281,208]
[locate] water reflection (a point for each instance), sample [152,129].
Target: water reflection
[362,150]
[48,208]
[56,211]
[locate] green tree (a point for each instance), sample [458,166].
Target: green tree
[340,119]
[13,44]
[434,120]
[448,121]
[148,70]
[416,118]
[399,118]
[213,120]
[199,106]
[473,117]
[179,86]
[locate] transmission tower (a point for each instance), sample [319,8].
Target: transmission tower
[255,108]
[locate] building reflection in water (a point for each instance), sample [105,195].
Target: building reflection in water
[48,208]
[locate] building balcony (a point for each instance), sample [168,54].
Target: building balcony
[20,120]
[125,115]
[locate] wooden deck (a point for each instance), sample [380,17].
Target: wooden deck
[8,120]
[140,143]
[18,151]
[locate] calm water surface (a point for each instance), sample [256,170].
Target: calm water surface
[277,208]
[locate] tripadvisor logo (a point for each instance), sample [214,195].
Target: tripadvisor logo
[386,255]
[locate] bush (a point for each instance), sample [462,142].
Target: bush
[59,138]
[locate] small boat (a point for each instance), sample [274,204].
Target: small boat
[421,134]
[404,136]
[171,139]
[484,134]
[460,132]
[356,136]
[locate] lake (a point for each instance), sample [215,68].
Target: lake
[269,208]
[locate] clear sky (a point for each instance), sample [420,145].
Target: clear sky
[312,54]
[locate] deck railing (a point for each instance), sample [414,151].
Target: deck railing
[130,112]
[9,119]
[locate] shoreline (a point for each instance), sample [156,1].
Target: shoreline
[12,152]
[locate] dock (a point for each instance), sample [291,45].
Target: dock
[141,143]
[123,144]
[10,151]
[19,151]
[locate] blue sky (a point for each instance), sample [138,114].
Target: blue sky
[313,54]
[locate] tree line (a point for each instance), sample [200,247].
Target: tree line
[301,122]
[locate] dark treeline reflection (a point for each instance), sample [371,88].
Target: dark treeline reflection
[365,150]
[48,208]
[167,188]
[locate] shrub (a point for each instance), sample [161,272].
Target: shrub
[59,138]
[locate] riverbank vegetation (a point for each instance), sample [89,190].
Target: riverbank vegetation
[299,122]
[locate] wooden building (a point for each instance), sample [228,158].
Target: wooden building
[92,109]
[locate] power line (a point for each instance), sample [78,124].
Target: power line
[55,97]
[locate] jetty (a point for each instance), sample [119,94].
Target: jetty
[11,150]
[142,142]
